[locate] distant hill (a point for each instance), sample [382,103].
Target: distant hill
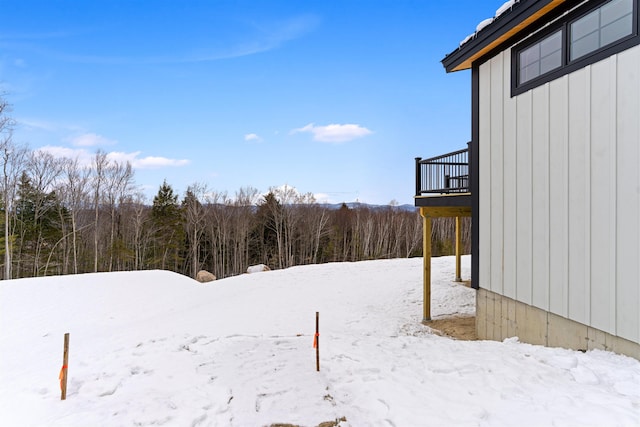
[358,205]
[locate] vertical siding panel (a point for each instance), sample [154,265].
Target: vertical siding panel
[578,176]
[628,195]
[484,273]
[558,197]
[523,199]
[601,198]
[510,179]
[540,197]
[613,192]
[496,170]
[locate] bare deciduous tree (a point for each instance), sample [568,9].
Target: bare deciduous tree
[12,157]
[75,198]
[100,164]
[194,215]
[118,183]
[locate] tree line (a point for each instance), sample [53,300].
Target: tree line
[65,217]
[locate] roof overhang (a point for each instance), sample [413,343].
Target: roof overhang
[524,15]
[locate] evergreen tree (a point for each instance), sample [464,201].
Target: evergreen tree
[341,236]
[264,247]
[38,227]
[169,236]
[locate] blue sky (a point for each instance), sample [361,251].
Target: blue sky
[335,98]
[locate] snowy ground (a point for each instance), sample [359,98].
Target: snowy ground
[156,348]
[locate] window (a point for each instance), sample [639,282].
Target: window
[590,33]
[542,57]
[605,25]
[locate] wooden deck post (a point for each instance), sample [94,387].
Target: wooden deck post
[458,250]
[426,254]
[427,213]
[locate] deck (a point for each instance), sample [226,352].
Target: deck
[444,182]
[443,189]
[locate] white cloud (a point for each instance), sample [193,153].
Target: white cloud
[91,140]
[323,198]
[152,162]
[334,132]
[259,38]
[149,162]
[252,137]
[121,156]
[73,134]
[85,157]
[36,124]
[253,39]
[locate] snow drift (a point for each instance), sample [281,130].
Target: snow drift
[157,348]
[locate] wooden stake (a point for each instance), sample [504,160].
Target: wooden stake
[317,341]
[63,371]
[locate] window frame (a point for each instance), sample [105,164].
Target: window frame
[545,36]
[567,66]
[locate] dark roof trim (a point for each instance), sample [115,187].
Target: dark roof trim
[523,15]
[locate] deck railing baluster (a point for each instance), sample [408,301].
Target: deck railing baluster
[445,174]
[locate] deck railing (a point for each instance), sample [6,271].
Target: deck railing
[445,174]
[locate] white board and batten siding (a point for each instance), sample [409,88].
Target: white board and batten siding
[559,204]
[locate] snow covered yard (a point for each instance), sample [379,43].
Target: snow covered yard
[157,348]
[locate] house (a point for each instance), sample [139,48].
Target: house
[552,180]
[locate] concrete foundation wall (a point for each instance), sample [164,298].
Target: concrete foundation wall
[499,317]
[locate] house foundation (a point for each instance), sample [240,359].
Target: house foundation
[499,317]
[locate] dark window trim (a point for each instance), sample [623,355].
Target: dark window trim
[569,66]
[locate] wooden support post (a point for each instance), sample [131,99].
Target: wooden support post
[64,370]
[316,341]
[426,254]
[458,250]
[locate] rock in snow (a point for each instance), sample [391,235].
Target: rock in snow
[258,268]
[204,276]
